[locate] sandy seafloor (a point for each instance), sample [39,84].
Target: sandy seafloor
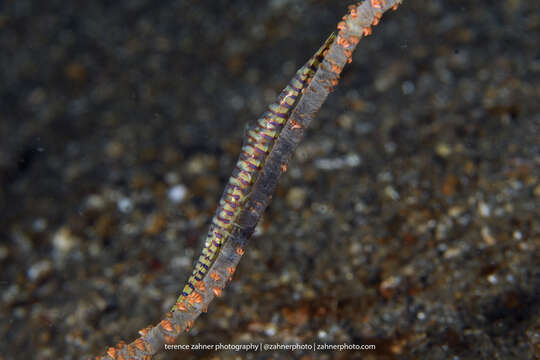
[408,219]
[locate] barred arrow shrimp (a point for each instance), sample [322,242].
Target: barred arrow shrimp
[257,145]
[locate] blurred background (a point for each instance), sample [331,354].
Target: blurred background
[408,219]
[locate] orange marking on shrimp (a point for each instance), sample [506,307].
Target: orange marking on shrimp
[215,276]
[240,251]
[111,352]
[341,26]
[217,291]
[284,168]
[167,325]
[231,270]
[195,297]
[121,357]
[189,325]
[343,42]
[180,306]
[144,331]
[192,298]
[131,351]
[377,4]
[200,285]
[295,125]
[336,69]
[352,11]
[367,31]
[395,7]
[139,344]
[377,19]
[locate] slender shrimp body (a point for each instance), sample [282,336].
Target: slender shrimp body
[258,143]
